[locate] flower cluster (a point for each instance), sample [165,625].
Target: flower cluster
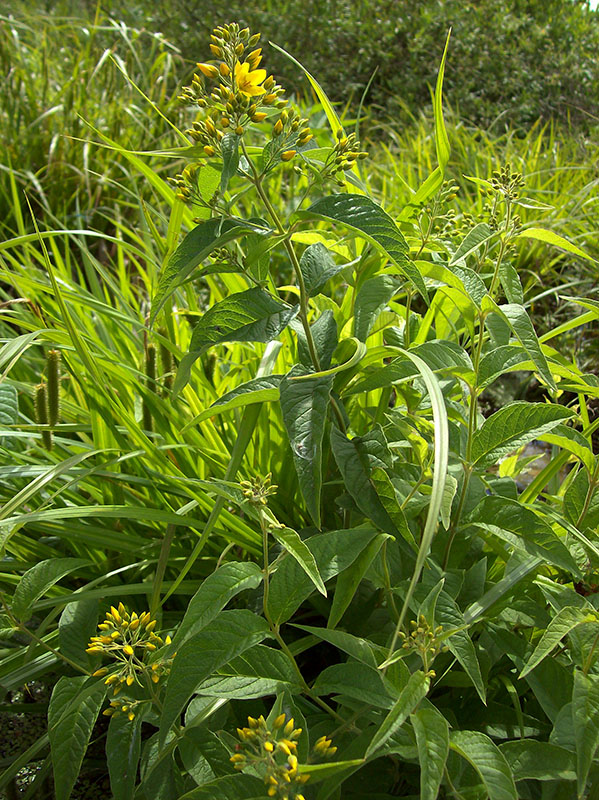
[274,754]
[129,639]
[425,641]
[257,490]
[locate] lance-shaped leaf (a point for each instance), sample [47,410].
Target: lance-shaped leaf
[474,239]
[37,580]
[585,718]
[540,761]
[579,508]
[372,297]
[229,787]
[304,406]
[250,316]
[230,149]
[356,680]
[564,621]
[72,713]
[258,390]
[460,644]
[9,407]
[349,580]
[432,739]
[364,215]
[549,237]
[317,267]
[291,541]
[123,748]
[214,594]
[411,695]
[513,426]
[227,636]
[258,672]
[325,337]
[488,760]
[195,247]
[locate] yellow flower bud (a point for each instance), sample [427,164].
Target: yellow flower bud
[224,122]
[131,716]
[151,647]
[128,650]
[239,49]
[155,677]
[289,727]
[278,128]
[288,155]
[239,130]
[130,680]
[208,70]
[108,712]
[168,640]
[115,614]
[216,51]
[280,720]
[99,673]
[224,70]
[259,116]
[269,747]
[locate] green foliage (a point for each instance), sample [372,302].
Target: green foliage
[329,515]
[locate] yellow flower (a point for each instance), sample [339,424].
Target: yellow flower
[248,81]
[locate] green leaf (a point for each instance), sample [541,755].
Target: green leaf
[510,282]
[432,739]
[362,214]
[412,693]
[123,748]
[250,316]
[502,359]
[386,492]
[488,760]
[325,337]
[513,426]
[257,390]
[459,643]
[291,541]
[230,149]
[474,239]
[317,267]
[76,626]
[214,594]
[573,441]
[333,552]
[564,621]
[9,407]
[37,580]
[539,761]
[72,713]
[360,649]
[304,407]
[355,470]
[371,298]
[356,680]
[541,235]
[577,508]
[260,671]
[195,247]
[585,717]
[525,530]
[349,580]
[217,643]
[229,787]
[319,772]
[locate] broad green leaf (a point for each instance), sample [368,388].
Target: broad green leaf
[229,787]
[317,267]
[513,426]
[227,636]
[516,317]
[291,541]
[360,649]
[72,713]
[362,214]
[465,280]
[214,594]
[258,672]
[488,760]
[325,337]
[304,407]
[585,717]
[250,316]
[539,761]
[579,508]
[349,580]
[562,624]
[500,360]
[474,239]
[160,776]
[257,390]
[356,680]
[123,748]
[37,580]
[413,692]
[230,149]
[386,492]
[549,237]
[510,282]
[355,470]
[573,441]
[203,754]
[459,643]
[333,551]
[432,739]
[9,407]
[77,624]
[371,298]
[195,247]
[523,529]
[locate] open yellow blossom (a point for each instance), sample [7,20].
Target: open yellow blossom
[248,81]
